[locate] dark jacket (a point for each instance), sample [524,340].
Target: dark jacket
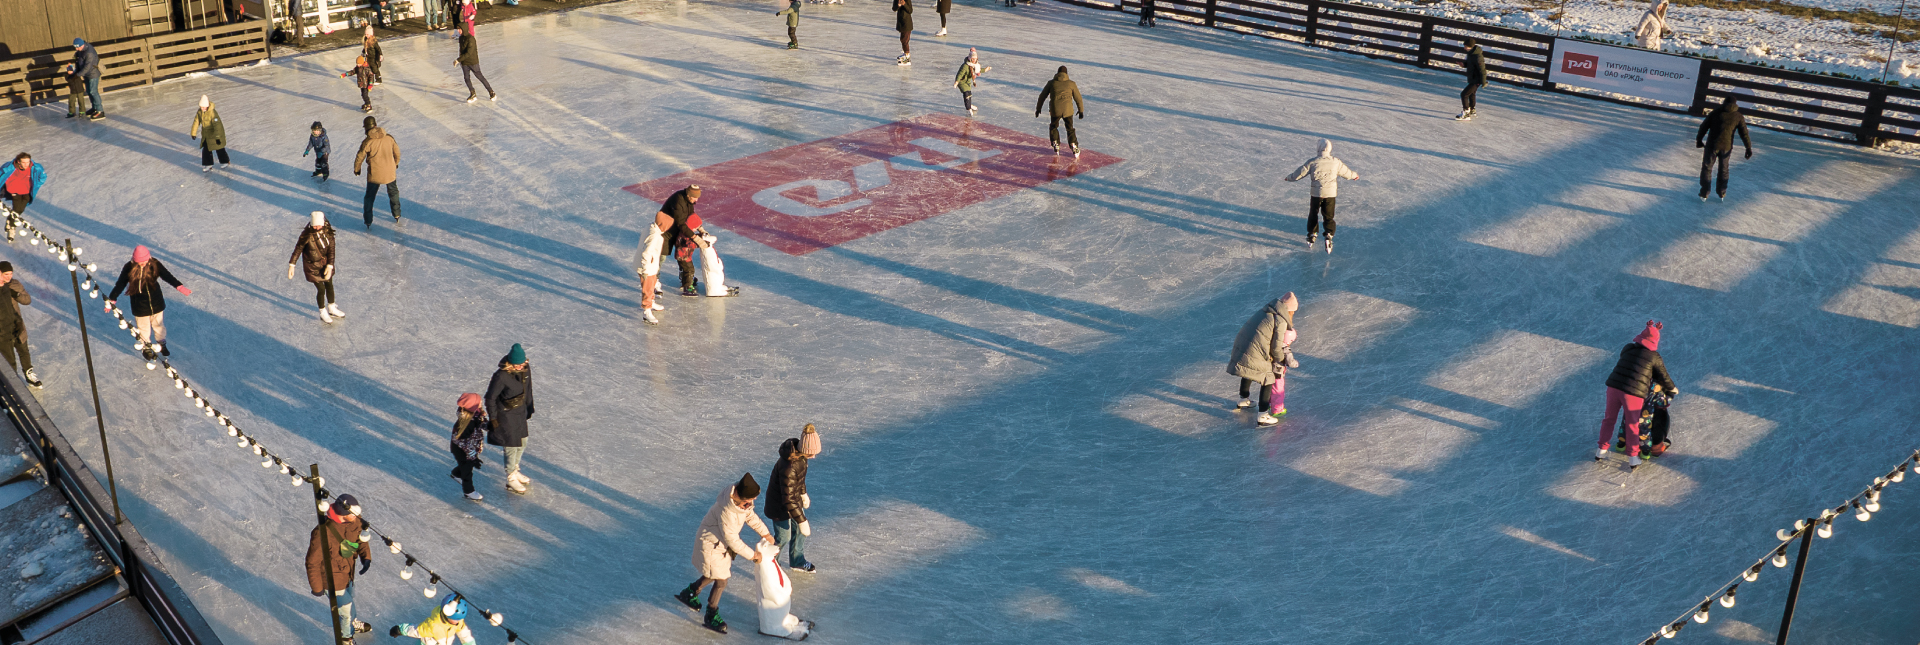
[469,435]
[1065,94]
[509,401]
[787,483]
[943,6]
[320,145]
[86,63]
[1721,125]
[371,50]
[469,50]
[362,76]
[324,541]
[1476,66]
[145,292]
[316,248]
[680,208]
[1638,369]
[11,327]
[903,15]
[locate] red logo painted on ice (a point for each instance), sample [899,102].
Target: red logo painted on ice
[811,196]
[1580,64]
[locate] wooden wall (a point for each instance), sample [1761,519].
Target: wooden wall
[37,25]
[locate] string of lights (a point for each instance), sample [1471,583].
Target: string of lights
[1864,505]
[268,458]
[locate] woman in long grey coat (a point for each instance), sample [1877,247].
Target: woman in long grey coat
[1262,353]
[718,542]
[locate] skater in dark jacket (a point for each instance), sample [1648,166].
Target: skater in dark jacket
[13,328]
[509,403]
[314,252]
[903,23]
[86,65]
[320,146]
[363,79]
[679,207]
[470,426]
[1146,13]
[141,280]
[1476,79]
[1719,128]
[1639,368]
[212,134]
[787,500]
[340,539]
[792,12]
[370,48]
[1065,95]
[943,7]
[1262,352]
[470,67]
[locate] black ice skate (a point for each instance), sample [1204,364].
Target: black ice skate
[688,597]
[1329,244]
[1311,239]
[1076,151]
[715,622]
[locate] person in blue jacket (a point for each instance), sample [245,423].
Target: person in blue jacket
[19,183]
[86,65]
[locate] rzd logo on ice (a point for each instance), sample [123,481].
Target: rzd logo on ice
[807,197]
[1580,64]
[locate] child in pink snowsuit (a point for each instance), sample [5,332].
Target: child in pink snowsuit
[1639,368]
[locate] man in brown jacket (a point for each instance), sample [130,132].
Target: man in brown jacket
[337,541]
[382,156]
[15,295]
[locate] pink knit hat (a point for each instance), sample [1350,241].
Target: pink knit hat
[472,403]
[1650,337]
[141,254]
[809,441]
[1290,303]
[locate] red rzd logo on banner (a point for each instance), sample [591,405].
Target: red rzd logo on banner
[1580,64]
[811,196]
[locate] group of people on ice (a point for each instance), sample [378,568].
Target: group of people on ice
[717,543]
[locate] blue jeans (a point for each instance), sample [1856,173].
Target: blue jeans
[786,533]
[393,198]
[93,93]
[346,611]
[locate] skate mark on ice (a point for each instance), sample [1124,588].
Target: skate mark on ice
[1608,484]
[1713,429]
[1529,537]
[1093,580]
[1344,323]
[1514,367]
[1034,604]
[1372,452]
[1879,298]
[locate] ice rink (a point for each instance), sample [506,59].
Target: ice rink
[1028,424]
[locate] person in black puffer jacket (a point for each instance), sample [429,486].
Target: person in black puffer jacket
[1639,368]
[787,499]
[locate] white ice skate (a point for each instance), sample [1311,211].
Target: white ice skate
[334,308]
[1243,404]
[475,496]
[516,476]
[1312,238]
[942,32]
[1600,455]
[1076,151]
[647,316]
[776,597]
[325,316]
[1633,462]
[1267,419]
[513,485]
[1329,245]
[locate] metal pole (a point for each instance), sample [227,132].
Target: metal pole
[99,415]
[1884,69]
[1799,569]
[333,599]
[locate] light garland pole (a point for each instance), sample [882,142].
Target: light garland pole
[86,344]
[1894,41]
[1793,589]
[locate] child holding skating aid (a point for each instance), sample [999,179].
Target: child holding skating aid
[448,622]
[792,12]
[964,79]
[363,78]
[319,145]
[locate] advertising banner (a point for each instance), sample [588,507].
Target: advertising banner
[1622,70]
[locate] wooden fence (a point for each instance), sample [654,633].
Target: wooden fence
[1862,112]
[133,62]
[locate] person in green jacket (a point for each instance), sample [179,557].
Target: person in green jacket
[792,12]
[969,71]
[212,135]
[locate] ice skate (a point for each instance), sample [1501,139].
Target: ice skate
[793,45]
[1633,462]
[514,486]
[209,168]
[472,96]
[334,308]
[1076,151]
[1658,448]
[715,622]
[1462,116]
[1312,238]
[492,96]
[1703,194]
[32,379]
[805,568]
[1600,455]
[942,32]
[647,317]
[516,476]
[1243,404]
[225,166]
[659,307]
[688,597]
[1723,197]
[1267,419]
[325,316]
[475,496]
[1329,245]
[689,291]
[1056,148]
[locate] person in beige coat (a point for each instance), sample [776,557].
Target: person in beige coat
[1653,24]
[1326,172]
[718,542]
[647,264]
[382,156]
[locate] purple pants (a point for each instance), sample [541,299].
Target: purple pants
[1617,400]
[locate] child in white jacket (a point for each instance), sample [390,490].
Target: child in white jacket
[1326,172]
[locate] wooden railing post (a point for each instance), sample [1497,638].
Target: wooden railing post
[1426,41]
[1210,6]
[1313,20]
[1869,134]
[1699,106]
[1545,83]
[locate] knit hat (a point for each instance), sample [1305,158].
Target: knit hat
[319,219]
[360,61]
[972,53]
[1650,337]
[516,356]
[345,505]
[472,403]
[5,266]
[316,126]
[809,442]
[693,191]
[205,102]
[141,254]
[747,488]
[369,123]
[1290,303]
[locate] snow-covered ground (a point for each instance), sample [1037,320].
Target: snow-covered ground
[1028,425]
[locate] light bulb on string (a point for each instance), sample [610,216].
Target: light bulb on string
[86,284]
[406,574]
[1871,506]
[123,325]
[433,587]
[77,251]
[393,546]
[322,504]
[179,384]
[151,365]
[91,267]
[1873,494]
[1700,615]
[1780,557]
[232,431]
[71,268]
[1898,474]
[320,481]
[1727,599]
[296,480]
[515,638]
[1752,574]
[35,241]
[209,411]
[496,618]
[1825,530]
[1861,513]
[1669,632]
[95,293]
[242,443]
[266,464]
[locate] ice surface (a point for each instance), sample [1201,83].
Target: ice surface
[1026,415]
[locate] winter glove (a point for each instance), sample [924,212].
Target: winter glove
[805,530]
[805,502]
[1698,144]
[1291,361]
[364,565]
[1749,153]
[319,594]
[289,270]
[184,290]
[329,274]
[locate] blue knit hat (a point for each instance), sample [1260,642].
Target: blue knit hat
[516,356]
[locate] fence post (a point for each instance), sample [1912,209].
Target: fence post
[1793,590]
[1552,47]
[1210,6]
[1426,41]
[1870,121]
[1699,106]
[1313,20]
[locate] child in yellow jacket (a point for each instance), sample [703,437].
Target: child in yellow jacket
[449,621]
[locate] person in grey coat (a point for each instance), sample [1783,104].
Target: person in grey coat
[509,402]
[1326,172]
[718,542]
[1261,355]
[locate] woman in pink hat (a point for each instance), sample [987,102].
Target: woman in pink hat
[141,280]
[1640,367]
